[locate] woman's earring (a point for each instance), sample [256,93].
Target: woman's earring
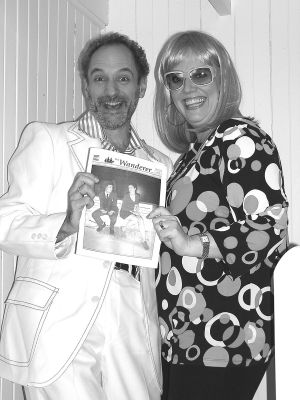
[173,117]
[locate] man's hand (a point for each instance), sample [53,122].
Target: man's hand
[80,194]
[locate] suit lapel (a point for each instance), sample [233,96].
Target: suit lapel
[79,144]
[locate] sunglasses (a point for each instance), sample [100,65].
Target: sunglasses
[201,76]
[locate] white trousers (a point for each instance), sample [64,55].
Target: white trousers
[114,362]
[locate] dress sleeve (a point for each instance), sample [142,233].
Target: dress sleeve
[251,176]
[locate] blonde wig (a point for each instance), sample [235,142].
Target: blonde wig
[168,122]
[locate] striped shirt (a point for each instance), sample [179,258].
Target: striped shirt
[89,125]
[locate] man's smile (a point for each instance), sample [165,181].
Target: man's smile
[107,104]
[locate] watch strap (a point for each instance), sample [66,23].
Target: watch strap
[205,244]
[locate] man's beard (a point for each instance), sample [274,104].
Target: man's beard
[113,112]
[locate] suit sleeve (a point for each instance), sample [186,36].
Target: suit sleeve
[26,227]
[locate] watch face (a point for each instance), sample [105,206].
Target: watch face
[205,239]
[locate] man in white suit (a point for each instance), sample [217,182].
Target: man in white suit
[77,328]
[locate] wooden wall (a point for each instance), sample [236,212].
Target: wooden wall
[39,44]
[40,40]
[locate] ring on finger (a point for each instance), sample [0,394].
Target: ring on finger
[161,224]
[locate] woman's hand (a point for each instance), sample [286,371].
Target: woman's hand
[170,231]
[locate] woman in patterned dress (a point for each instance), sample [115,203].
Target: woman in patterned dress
[223,230]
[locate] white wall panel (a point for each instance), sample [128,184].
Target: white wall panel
[281,86]
[294,117]
[39,44]
[261,63]
[8,119]
[53,15]
[22,69]
[144,29]
[192,14]
[244,53]
[32,71]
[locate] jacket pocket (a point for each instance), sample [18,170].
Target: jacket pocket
[26,308]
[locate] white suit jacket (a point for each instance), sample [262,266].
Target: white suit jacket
[56,295]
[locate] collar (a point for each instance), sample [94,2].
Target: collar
[89,125]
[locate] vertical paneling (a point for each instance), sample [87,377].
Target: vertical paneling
[9,123]
[42,60]
[78,44]
[53,15]
[62,24]
[281,87]
[244,53]
[2,88]
[159,35]
[32,68]
[176,15]
[144,29]
[22,70]
[294,116]
[192,14]
[10,87]
[39,44]
[2,120]
[261,63]
[70,63]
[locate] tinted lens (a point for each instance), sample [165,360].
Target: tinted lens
[201,76]
[174,80]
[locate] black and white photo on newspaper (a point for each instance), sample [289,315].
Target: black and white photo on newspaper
[116,227]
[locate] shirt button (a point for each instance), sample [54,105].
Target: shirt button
[39,235]
[33,236]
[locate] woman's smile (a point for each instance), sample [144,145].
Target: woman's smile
[194,102]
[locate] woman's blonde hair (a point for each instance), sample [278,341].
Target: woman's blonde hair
[168,122]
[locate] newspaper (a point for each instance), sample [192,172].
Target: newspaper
[116,228]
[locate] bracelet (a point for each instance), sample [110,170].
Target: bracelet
[205,244]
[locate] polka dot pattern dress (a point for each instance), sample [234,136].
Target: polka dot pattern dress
[219,312]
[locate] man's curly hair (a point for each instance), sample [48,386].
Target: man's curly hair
[112,38]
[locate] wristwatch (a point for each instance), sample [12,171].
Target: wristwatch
[205,243]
